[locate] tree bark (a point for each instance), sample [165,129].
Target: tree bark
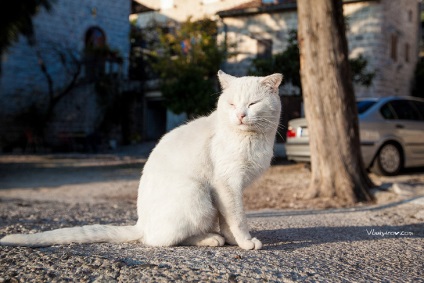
[330,107]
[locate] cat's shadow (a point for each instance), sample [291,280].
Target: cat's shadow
[295,238]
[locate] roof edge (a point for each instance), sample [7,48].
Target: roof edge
[257,10]
[271,9]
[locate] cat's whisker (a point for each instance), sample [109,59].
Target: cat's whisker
[262,126]
[260,123]
[265,121]
[281,136]
[280,126]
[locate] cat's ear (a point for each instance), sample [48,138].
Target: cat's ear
[272,81]
[224,79]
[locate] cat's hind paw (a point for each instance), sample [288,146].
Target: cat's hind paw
[220,241]
[208,240]
[252,244]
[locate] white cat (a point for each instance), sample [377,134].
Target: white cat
[190,191]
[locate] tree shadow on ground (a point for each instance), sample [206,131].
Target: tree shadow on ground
[295,238]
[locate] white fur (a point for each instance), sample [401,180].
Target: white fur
[190,192]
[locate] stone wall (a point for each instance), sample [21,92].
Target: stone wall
[244,32]
[77,116]
[400,19]
[371,25]
[371,28]
[364,36]
[60,31]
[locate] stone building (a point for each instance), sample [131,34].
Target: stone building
[385,32]
[63,40]
[180,10]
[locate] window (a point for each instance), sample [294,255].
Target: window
[364,105]
[410,16]
[400,109]
[406,52]
[387,112]
[393,47]
[419,107]
[264,48]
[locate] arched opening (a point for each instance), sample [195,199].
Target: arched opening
[95,52]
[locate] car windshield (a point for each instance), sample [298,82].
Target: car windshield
[364,105]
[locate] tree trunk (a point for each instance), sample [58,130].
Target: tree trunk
[330,107]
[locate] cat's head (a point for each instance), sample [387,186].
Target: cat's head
[250,103]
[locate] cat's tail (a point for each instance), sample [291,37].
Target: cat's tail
[82,234]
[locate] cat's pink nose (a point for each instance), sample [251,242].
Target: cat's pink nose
[241,116]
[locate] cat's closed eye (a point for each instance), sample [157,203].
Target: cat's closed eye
[253,103]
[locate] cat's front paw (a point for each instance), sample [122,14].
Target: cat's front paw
[251,244]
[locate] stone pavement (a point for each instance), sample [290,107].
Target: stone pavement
[379,244]
[366,244]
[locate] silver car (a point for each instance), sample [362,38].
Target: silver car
[391,134]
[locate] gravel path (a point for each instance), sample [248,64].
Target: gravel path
[368,243]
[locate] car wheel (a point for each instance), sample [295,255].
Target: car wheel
[389,160]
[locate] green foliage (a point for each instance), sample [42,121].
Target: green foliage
[418,84]
[187,61]
[16,18]
[358,70]
[288,63]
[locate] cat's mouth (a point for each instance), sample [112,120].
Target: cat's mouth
[245,121]
[242,123]
[244,126]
